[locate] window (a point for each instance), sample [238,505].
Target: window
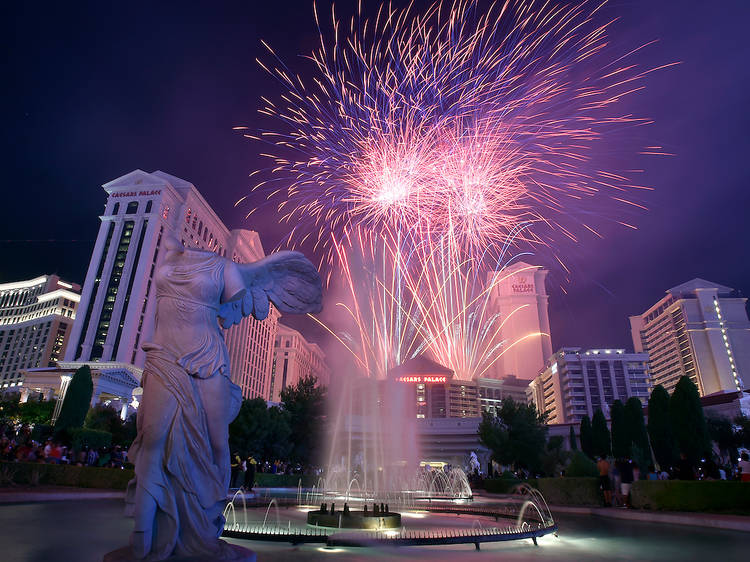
[132,208]
[116,208]
[148,206]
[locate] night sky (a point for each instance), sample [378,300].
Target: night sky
[94,92]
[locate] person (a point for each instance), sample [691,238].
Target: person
[652,475]
[744,466]
[604,482]
[626,478]
[250,474]
[236,467]
[181,452]
[685,470]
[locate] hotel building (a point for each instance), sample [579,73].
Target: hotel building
[436,393]
[293,359]
[117,303]
[493,391]
[701,330]
[576,383]
[36,319]
[519,297]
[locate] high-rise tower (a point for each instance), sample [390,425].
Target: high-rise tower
[699,329]
[520,298]
[116,312]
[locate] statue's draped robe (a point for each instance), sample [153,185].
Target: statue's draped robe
[181,454]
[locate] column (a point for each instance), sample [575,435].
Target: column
[64,383]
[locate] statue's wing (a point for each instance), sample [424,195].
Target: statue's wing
[286,279]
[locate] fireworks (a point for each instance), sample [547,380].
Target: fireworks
[428,142]
[449,119]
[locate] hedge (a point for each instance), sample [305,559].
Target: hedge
[500,485]
[686,495]
[268,480]
[569,490]
[67,475]
[557,491]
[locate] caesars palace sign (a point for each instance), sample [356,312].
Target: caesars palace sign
[423,379]
[136,193]
[522,285]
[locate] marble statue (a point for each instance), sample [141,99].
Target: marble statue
[181,453]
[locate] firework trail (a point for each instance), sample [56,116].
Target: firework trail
[428,142]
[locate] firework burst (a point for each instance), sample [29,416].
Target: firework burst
[453,118]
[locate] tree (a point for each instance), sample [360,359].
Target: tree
[305,404]
[516,435]
[620,439]
[636,433]
[572,439]
[727,440]
[660,427]
[77,400]
[586,436]
[581,465]
[106,418]
[247,433]
[600,442]
[688,422]
[36,411]
[555,456]
[742,424]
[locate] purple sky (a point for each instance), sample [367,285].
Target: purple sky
[91,95]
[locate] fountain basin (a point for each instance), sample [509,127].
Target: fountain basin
[355,520]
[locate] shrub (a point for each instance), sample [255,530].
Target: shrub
[500,485]
[68,475]
[268,480]
[93,438]
[685,495]
[581,466]
[569,491]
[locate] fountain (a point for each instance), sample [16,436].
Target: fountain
[374,491]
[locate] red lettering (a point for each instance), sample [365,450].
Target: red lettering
[425,379]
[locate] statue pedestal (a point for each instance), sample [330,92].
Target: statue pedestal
[236,554]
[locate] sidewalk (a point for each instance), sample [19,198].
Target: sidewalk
[706,520]
[24,494]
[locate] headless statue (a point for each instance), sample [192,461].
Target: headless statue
[181,453]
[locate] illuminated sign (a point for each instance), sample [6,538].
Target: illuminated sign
[136,193]
[522,285]
[423,379]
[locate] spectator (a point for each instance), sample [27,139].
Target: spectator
[604,482]
[744,466]
[685,469]
[626,478]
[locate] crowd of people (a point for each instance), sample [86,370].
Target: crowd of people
[244,470]
[616,477]
[19,446]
